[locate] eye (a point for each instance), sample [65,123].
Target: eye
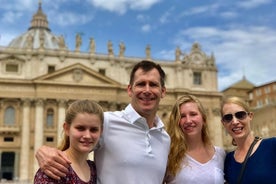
[80,128]
[153,84]
[94,129]
[140,84]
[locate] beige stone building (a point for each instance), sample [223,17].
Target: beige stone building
[262,99]
[40,76]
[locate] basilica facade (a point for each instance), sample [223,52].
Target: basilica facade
[40,76]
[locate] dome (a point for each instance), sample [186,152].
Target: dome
[38,35]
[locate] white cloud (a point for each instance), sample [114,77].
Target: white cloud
[166,16]
[5,38]
[146,28]
[238,51]
[248,4]
[69,18]
[121,6]
[10,16]
[200,10]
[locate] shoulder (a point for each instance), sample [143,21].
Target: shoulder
[91,164]
[220,152]
[41,177]
[270,142]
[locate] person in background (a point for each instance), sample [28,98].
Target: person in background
[82,129]
[134,146]
[193,159]
[260,167]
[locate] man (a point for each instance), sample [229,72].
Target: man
[134,146]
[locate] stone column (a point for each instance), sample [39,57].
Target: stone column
[39,124]
[25,142]
[61,119]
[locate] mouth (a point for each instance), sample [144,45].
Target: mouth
[189,127]
[237,129]
[85,143]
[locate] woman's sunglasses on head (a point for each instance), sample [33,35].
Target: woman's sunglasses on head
[241,115]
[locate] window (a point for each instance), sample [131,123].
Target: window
[51,68]
[267,89]
[49,139]
[258,92]
[102,71]
[50,118]
[8,139]
[250,96]
[197,78]
[13,68]
[9,116]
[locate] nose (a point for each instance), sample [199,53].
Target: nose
[86,134]
[235,120]
[147,88]
[188,119]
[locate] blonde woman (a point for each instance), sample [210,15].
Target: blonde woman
[261,163]
[193,159]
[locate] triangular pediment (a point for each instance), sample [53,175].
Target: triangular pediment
[77,74]
[12,58]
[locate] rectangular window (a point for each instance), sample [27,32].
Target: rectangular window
[51,68]
[102,71]
[197,78]
[8,139]
[49,139]
[12,68]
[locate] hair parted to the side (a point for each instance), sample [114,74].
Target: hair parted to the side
[75,108]
[146,66]
[178,146]
[234,100]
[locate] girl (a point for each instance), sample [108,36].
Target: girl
[82,129]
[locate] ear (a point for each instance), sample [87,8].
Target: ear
[129,90]
[66,128]
[163,92]
[251,115]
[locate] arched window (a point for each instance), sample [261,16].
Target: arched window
[50,118]
[9,116]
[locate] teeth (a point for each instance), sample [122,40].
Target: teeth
[237,129]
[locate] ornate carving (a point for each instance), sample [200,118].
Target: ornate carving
[110,48]
[92,45]
[122,49]
[78,42]
[148,50]
[77,75]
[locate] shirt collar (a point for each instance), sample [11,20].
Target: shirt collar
[134,117]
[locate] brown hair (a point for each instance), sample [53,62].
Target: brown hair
[146,66]
[80,106]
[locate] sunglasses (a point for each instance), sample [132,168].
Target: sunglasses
[241,115]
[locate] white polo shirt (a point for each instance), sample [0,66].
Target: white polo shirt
[130,152]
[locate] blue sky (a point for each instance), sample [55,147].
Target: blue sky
[240,33]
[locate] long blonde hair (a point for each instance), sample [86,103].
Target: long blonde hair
[178,146]
[79,106]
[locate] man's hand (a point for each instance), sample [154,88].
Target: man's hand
[52,161]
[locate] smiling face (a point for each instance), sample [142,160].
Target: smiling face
[84,132]
[146,92]
[191,121]
[237,128]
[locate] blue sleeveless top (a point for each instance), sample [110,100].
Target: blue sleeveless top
[260,167]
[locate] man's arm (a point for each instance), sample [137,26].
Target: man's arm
[52,161]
